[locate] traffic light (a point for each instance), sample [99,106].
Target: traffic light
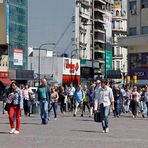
[134,79]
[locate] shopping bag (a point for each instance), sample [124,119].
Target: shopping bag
[97,116]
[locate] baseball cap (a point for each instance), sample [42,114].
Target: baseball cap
[98,81]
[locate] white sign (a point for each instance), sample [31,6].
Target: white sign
[18,57]
[1,1]
[71,66]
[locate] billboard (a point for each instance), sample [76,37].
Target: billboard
[18,57]
[108,29]
[108,60]
[71,71]
[2,22]
[71,66]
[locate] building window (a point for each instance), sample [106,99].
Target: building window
[117,13]
[144,30]
[118,65]
[113,65]
[118,51]
[132,7]
[132,31]
[144,3]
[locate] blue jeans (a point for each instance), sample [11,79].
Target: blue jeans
[117,108]
[53,106]
[44,111]
[104,115]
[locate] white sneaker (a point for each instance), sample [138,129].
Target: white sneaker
[16,132]
[103,131]
[12,131]
[55,118]
[106,130]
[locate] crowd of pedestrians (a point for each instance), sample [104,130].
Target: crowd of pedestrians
[74,99]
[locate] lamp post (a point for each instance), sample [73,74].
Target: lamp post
[105,76]
[39,60]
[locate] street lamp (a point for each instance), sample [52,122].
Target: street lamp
[39,63]
[105,75]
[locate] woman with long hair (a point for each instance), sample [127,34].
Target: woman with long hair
[15,108]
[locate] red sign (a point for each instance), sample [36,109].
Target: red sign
[4,75]
[72,67]
[71,79]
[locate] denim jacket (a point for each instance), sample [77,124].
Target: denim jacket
[17,98]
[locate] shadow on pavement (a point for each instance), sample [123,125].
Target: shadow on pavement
[85,131]
[4,132]
[31,123]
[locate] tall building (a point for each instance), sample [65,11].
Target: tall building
[93,34]
[119,29]
[14,40]
[137,40]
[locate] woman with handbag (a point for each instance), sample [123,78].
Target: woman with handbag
[15,108]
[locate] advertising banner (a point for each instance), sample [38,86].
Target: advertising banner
[71,66]
[18,57]
[108,60]
[108,29]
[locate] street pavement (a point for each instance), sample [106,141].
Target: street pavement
[75,132]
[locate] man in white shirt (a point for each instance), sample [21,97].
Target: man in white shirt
[104,100]
[71,92]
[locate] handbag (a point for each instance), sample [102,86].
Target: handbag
[97,116]
[7,106]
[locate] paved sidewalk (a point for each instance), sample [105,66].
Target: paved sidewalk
[75,132]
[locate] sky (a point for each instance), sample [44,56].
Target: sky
[47,21]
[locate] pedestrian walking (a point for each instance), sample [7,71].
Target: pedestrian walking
[79,94]
[53,103]
[15,108]
[104,101]
[27,99]
[44,98]
[134,102]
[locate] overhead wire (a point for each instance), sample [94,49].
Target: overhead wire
[62,35]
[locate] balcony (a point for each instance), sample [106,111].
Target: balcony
[84,15]
[101,1]
[83,44]
[101,60]
[118,56]
[82,30]
[100,9]
[118,29]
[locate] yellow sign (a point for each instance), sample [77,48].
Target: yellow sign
[128,79]
[135,79]
[117,5]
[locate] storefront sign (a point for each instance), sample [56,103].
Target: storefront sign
[18,57]
[71,67]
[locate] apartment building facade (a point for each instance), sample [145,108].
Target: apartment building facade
[137,40]
[91,34]
[119,29]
